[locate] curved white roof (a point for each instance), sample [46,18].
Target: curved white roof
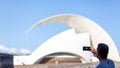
[83,25]
[69,41]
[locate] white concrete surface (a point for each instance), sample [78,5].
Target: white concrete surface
[69,41]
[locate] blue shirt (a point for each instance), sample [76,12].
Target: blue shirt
[106,64]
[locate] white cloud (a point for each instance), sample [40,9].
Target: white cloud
[14,51]
[24,51]
[4,49]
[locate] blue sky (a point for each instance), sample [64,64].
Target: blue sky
[17,16]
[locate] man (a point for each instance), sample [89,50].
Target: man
[101,54]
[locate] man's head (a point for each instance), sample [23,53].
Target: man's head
[102,50]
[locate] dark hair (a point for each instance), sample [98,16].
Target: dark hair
[102,50]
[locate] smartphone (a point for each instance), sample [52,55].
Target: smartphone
[86,48]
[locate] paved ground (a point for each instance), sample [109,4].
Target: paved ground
[70,65]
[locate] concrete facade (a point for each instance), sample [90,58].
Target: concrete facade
[69,41]
[84,25]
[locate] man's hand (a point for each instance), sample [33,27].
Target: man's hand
[93,51]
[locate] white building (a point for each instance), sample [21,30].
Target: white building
[69,44]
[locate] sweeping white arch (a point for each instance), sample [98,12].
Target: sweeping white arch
[82,24]
[68,42]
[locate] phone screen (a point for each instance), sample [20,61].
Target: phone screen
[86,48]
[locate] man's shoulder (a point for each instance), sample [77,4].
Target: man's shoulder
[111,61]
[106,64]
[100,65]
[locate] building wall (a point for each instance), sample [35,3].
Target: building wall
[6,61]
[68,41]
